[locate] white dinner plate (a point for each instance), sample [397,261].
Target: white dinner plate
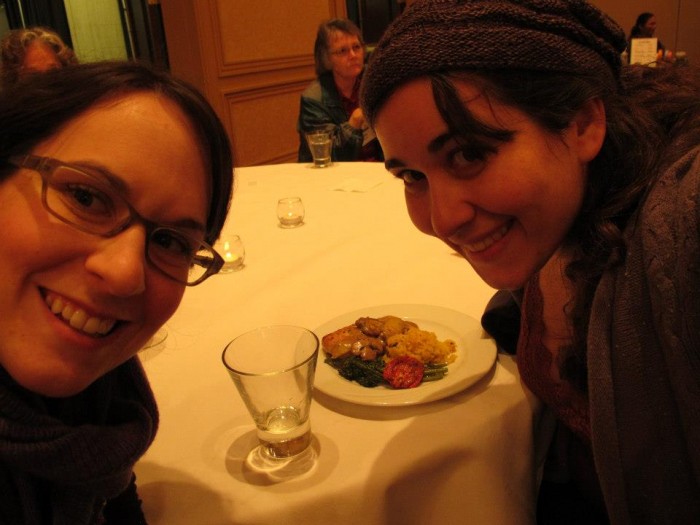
[476,354]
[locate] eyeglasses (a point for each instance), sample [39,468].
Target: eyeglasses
[91,204]
[345,51]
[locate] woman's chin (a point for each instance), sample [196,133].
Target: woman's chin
[57,386]
[507,280]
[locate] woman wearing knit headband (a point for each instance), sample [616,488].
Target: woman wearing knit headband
[572,185]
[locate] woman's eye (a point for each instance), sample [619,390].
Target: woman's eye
[410,176]
[468,157]
[84,199]
[172,243]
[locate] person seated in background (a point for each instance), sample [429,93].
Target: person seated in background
[333,98]
[33,49]
[645,27]
[571,184]
[98,247]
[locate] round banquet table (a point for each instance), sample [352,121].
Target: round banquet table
[472,457]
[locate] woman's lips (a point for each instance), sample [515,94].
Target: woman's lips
[486,242]
[78,318]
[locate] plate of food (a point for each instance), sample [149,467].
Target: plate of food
[401,354]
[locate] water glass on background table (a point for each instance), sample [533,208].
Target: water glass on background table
[290,212]
[273,368]
[320,142]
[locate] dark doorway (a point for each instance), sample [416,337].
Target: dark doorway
[141,21]
[372,16]
[48,13]
[143,31]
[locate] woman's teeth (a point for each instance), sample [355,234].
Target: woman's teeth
[77,318]
[485,243]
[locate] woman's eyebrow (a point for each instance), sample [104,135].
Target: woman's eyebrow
[96,168]
[186,224]
[439,142]
[434,146]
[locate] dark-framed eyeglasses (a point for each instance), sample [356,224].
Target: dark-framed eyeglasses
[89,203]
[345,50]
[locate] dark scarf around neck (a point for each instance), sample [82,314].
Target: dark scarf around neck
[70,455]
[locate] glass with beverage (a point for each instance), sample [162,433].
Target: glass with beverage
[273,369]
[320,142]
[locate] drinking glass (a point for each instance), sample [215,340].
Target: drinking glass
[290,212]
[231,248]
[320,141]
[273,369]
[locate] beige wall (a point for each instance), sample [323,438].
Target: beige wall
[252,59]
[677,21]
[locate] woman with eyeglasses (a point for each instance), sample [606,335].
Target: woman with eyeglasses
[571,184]
[115,182]
[332,100]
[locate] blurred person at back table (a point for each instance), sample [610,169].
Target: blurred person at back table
[645,27]
[332,100]
[572,185]
[33,49]
[98,248]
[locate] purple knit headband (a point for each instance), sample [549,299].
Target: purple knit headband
[562,36]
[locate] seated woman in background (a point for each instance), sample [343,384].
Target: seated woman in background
[333,98]
[645,27]
[98,247]
[33,49]
[571,184]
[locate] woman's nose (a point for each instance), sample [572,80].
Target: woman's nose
[450,207]
[120,262]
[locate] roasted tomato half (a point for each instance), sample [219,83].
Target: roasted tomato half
[404,372]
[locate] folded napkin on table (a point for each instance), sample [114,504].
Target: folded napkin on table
[356,184]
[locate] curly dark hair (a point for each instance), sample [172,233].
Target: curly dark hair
[653,119]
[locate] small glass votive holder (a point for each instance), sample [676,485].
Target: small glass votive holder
[231,248]
[290,212]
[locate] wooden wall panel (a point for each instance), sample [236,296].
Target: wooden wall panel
[252,60]
[261,37]
[182,39]
[263,123]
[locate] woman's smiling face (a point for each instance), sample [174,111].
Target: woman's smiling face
[505,206]
[146,144]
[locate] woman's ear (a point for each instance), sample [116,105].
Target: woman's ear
[589,125]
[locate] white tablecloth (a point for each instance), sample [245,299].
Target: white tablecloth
[469,458]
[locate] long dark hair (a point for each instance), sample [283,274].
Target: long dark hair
[652,120]
[642,19]
[37,106]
